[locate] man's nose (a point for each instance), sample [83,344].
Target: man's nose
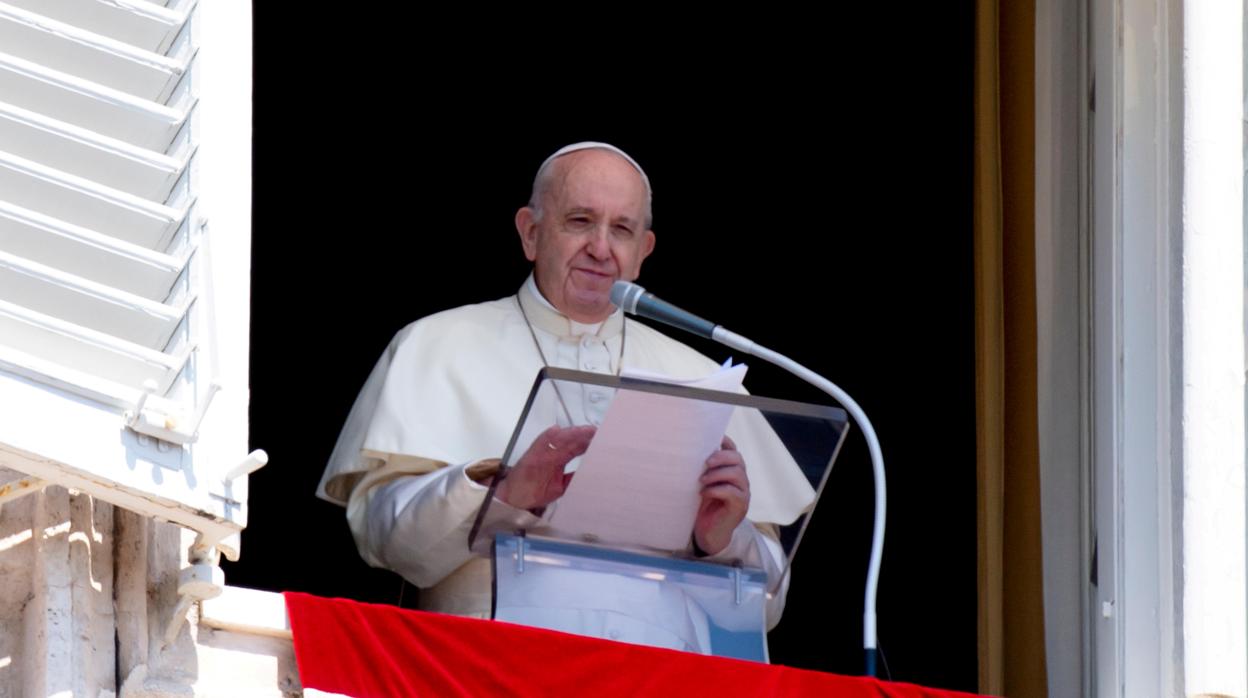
[599,246]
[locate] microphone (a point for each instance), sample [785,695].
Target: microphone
[635,301]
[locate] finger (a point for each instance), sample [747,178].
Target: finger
[725,457]
[728,444]
[544,444]
[572,438]
[726,493]
[729,475]
[730,466]
[557,445]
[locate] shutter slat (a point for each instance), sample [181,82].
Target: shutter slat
[77,151]
[143,24]
[76,349]
[88,304]
[97,108]
[85,203]
[90,56]
[87,254]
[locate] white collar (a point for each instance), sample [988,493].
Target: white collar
[545,316]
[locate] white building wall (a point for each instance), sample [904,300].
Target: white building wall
[87,593]
[1215,618]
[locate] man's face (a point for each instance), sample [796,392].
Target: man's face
[592,232]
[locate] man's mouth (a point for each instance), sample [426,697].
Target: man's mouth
[596,276]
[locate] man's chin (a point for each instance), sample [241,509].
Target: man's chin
[595,305]
[592,289]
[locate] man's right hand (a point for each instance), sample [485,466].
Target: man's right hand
[537,479]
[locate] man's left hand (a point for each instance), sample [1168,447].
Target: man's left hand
[725,499]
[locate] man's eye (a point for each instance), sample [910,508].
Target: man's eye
[623,231]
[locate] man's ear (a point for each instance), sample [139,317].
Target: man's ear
[647,245]
[526,226]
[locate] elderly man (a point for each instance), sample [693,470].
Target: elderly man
[423,439]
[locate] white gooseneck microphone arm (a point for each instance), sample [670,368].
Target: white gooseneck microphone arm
[634,299]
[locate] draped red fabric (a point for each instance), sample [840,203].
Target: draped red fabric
[370,650]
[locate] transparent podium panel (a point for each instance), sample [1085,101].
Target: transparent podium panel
[608,463]
[629,597]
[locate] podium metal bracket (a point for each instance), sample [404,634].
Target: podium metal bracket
[520,551]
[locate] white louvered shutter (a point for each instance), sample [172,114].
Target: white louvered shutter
[124,252]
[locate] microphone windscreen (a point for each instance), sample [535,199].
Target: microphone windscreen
[624,294]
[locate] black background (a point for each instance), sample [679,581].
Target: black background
[812,190]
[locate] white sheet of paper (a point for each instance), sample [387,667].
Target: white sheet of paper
[638,482]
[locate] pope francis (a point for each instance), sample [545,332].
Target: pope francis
[416,456]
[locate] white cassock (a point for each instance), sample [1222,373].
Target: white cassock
[446,395]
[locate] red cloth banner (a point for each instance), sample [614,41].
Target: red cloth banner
[369,650]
